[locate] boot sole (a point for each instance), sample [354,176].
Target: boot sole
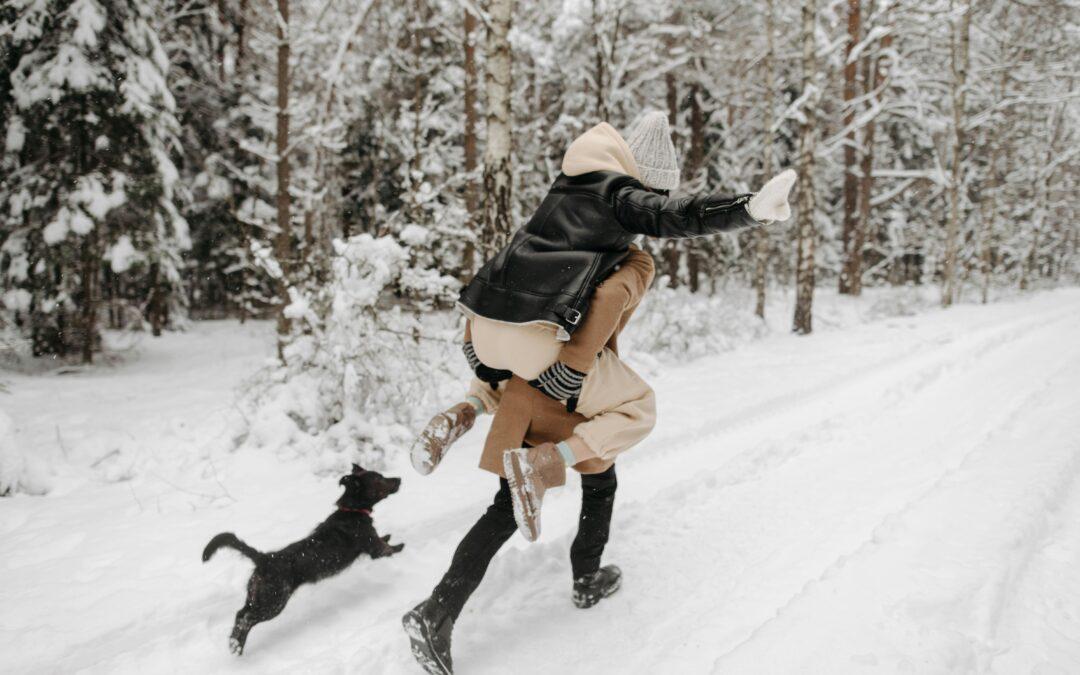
[586,602]
[420,644]
[421,458]
[420,453]
[526,513]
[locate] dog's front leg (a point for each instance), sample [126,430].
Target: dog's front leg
[384,549]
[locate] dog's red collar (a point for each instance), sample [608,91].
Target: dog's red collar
[366,512]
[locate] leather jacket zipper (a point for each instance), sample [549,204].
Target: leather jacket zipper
[725,205]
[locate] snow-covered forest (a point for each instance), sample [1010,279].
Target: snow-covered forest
[166,160]
[343,167]
[232,234]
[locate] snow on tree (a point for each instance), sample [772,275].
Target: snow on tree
[88,191]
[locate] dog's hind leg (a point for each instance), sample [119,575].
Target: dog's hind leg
[266,599]
[240,631]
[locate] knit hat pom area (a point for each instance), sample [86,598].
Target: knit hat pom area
[650,143]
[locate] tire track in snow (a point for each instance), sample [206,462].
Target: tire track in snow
[954,358]
[911,384]
[1064,479]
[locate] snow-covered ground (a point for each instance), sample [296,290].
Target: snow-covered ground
[898,496]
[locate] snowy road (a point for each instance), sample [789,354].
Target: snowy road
[902,496]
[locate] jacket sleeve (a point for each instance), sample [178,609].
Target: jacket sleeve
[640,211]
[620,293]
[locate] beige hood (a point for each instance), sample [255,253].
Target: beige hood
[600,149]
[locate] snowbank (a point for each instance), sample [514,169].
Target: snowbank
[19,472]
[362,368]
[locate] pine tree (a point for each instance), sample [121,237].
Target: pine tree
[88,184]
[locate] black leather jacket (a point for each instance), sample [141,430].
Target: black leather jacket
[580,233]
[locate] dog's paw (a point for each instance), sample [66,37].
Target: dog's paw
[235,646]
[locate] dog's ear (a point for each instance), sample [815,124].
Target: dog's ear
[357,469]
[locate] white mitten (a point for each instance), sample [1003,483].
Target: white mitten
[770,203]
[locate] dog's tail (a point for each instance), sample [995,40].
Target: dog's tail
[232,541]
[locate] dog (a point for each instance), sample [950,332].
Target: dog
[328,550]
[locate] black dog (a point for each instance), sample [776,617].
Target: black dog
[333,546]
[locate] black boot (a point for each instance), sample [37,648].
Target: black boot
[429,627]
[592,588]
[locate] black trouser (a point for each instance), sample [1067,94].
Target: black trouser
[487,536]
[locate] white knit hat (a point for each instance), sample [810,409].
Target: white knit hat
[650,143]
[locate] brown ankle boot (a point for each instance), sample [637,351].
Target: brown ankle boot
[531,472]
[435,440]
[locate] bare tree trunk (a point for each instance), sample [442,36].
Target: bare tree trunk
[695,156]
[241,34]
[157,308]
[851,186]
[601,68]
[471,197]
[804,270]
[989,204]
[695,159]
[498,178]
[960,40]
[672,250]
[91,266]
[761,258]
[985,238]
[283,240]
[874,79]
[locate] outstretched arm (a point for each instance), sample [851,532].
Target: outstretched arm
[641,211]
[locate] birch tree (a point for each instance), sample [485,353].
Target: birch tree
[768,164]
[959,60]
[807,234]
[498,178]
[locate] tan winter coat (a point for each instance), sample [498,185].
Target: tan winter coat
[616,409]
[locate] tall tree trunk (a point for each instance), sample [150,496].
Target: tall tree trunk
[91,269]
[874,79]
[961,38]
[498,178]
[695,156]
[672,250]
[601,68]
[851,186]
[761,257]
[695,160]
[471,197]
[989,202]
[804,270]
[241,35]
[283,240]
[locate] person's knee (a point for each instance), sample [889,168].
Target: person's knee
[647,410]
[600,485]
